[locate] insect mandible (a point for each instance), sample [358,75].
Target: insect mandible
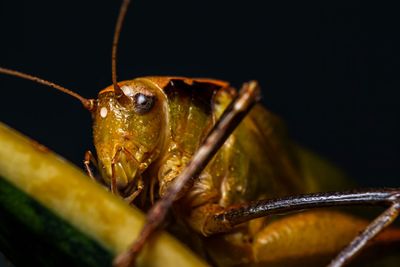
[147,130]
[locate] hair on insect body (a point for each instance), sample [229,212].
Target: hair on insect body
[193,144]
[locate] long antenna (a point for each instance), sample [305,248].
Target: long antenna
[117,33]
[87,103]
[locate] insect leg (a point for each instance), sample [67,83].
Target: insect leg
[234,113]
[224,220]
[373,229]
[89,158]
[130,198]
[228,218]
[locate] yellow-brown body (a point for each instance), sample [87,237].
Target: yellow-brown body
[142,150]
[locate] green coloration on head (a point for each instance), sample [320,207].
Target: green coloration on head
[129,129]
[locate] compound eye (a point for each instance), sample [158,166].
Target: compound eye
[143,103]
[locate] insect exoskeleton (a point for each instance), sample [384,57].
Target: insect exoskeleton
[129,129]
[141,125]
[228,161]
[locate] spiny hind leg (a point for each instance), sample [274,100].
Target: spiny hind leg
[310,238]
[211,219]
[364,238]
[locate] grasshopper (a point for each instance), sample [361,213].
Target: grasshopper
[225,166]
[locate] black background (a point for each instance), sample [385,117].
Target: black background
[331,72]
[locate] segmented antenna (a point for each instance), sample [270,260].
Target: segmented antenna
[117,33]
[87,103]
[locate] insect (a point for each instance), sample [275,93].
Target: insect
[145,100]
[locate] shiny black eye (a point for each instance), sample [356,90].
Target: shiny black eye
[143,103]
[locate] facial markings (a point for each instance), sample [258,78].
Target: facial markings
[103,112]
